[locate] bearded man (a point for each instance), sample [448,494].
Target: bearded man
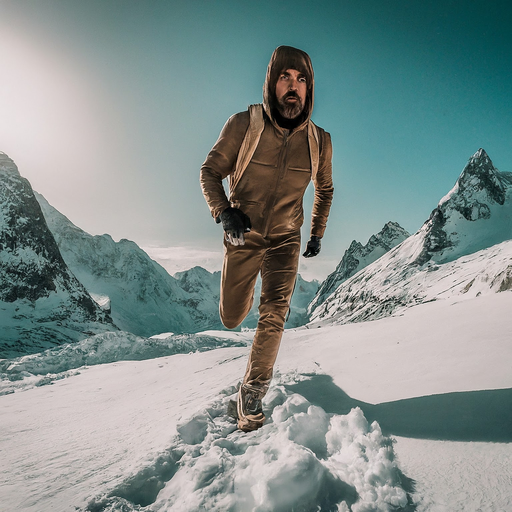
[270,153]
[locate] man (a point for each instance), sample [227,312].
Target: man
[270,154]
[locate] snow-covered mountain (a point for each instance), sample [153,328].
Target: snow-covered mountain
[463,248]
[144,299]
[358,256]
[474,215]
[203,293]
[42,304]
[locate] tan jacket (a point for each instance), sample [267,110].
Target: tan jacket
[272,186]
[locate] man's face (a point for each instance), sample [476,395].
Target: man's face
[291,90]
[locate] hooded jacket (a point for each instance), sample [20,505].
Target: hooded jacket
[272,186]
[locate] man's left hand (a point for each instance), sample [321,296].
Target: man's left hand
[313,247]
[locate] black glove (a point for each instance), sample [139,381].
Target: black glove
[313,247]
[235,223]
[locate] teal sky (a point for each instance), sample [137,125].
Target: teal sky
[109,107]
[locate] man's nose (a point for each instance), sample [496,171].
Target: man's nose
[293,85]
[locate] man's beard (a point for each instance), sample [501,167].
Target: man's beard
[290,110]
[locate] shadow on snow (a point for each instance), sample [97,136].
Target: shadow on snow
[463,416]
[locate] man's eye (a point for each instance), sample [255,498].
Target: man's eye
[302,79]
[283,77]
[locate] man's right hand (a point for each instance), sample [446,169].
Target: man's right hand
[235,223]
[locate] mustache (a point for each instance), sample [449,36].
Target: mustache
[291,94]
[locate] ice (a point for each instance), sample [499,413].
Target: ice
[303,459]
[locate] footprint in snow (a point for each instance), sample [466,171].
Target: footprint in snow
[302,459]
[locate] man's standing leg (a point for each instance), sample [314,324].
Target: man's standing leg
[278,274]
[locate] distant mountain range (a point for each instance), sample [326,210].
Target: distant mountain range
[139,293]
[59,284]
[142,297]
[465,247]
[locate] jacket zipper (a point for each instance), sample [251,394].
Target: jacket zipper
[281,169]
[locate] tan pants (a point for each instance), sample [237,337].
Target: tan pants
[277,258]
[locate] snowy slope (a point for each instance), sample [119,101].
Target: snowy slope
[42,304]
[452,254]
[359,256]
[152,435]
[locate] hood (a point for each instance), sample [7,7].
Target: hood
[287,57]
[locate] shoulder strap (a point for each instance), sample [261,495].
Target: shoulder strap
[252,138]
[249,144]
[314,148]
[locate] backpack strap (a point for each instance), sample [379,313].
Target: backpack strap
[249,144]
[252,138]
[314,148]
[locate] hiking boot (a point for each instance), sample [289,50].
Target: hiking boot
[249,408]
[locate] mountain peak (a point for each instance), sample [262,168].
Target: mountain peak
[7,164]
[358,256]
[479,194]
[479,161]
[480,154]
[480,176]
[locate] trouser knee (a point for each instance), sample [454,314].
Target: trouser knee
[232,315]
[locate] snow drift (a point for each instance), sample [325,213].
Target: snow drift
[303,459]
[25,372]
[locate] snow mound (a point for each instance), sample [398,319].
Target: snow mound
[303,459]
[54,364]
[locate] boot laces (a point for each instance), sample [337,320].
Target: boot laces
[252,403]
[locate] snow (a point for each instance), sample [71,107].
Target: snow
[298,462]
[468,477]
[54,364]
[447,197]
[153,435]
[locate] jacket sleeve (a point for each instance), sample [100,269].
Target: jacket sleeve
[221,162]
[324,189]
